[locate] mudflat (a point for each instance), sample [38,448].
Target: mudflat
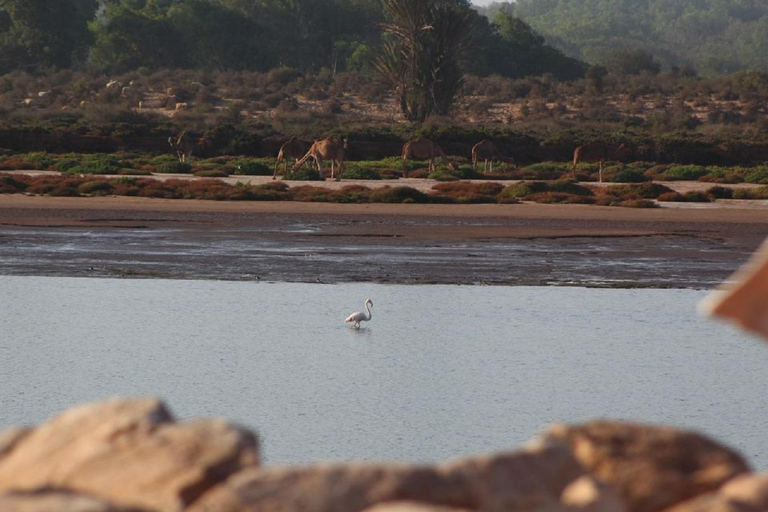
[678,245]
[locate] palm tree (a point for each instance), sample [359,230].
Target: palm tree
[425,40]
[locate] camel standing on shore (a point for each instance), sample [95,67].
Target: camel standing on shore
[331,148]
[293,149]
[424,149]
[184,145]
[598,152]
[487,151]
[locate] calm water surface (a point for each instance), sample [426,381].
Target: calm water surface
[440,371]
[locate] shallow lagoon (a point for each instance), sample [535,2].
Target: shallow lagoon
[440,371]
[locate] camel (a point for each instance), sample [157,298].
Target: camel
[331,148]
[423,149]
[597,152]
[184,145]
[295,149]
[486,150]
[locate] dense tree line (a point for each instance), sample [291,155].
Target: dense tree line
[117,36]
[710,36]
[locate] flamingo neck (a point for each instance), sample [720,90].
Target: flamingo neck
[368,309]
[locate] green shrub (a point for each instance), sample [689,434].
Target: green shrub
[251,168]
[40,160]
[358,173]
[639,191]
[685,172]
[696,196]
[303,174]
[757,175]
[567,186]
[546,170]
[174,167]
[443,175]
[627,175]
[524,188]
[66,164]
[398,195]
[95,188]
[97,164]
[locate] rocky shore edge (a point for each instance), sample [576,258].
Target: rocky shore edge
[132,455]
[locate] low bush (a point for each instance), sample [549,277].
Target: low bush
[524,189]
[251,168]
[720,193]
[545,170]
[685,172]
[10,185]
[357,173]
[672,197]
[398,195]
[627,175]
[465,192]
[174,167]
[303,174]
[96,164]
[95,188]
[757,175]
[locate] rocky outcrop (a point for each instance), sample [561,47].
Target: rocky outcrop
[130,455]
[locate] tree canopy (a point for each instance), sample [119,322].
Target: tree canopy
[117,36]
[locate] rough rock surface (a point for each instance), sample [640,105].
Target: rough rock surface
[526,480]
[130,455]
[56,501]
[129,452]
[652,468]
[746,493]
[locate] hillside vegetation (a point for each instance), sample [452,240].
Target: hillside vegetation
[710,36]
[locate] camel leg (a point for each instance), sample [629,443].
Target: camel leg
[600,172]
[405,166]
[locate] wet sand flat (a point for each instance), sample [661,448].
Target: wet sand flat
[679,246]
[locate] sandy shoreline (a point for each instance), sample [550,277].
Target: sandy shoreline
[682,246]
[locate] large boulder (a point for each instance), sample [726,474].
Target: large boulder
[651,468]
[129,452]
[532,479]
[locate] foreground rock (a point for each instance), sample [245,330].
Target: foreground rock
[56,501]
[526,480]
[131,455]
[652,468]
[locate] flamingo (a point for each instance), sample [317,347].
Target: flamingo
[359,316]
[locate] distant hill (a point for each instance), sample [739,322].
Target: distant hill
[712,36]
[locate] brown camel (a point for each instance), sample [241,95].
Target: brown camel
[423,149]
[486,151]
[598,152]
[331,148]
[293,149]
[184,145]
